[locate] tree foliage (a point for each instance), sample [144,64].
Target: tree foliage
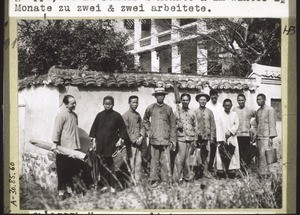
[235,44]
[75,44]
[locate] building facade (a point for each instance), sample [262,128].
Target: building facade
[166,45]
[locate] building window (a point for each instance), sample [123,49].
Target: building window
[146,24]
[146,27]
[188,53]
[163,25]
[129,24]
[186,21]
[276,104]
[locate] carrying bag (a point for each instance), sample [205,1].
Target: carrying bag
[271,155]
[120,157]
[251,153]
[226,151]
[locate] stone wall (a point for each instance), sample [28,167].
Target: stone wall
[40,169]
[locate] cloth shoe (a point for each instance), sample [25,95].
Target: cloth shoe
[103,189]
[112,190]
[180,181]
[231,174]
[207,174]
[221,174]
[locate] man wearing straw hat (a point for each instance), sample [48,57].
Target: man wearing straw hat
[206,130]
[160,125]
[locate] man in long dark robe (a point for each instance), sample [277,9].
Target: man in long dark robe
[108,132]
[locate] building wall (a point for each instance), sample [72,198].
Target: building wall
[38,107]
[271,90]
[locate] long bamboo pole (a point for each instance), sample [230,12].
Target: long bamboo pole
[61,150]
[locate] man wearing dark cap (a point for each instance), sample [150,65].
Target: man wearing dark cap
[186,136]
[206,130]
[160,125]
[108,131]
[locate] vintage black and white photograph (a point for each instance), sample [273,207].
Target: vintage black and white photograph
[150,113]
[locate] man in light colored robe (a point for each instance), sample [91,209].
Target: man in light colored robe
[228,124]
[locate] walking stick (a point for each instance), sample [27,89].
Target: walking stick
[177,101]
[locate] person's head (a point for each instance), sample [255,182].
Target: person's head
[261,99]
[133,102]
[241,99]
[108,102]
[202,100]
[159,94]
[227,104]
[214,96]
[185,100]
[70,102]
[160,97]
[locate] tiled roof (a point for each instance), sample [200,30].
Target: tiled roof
[62,77]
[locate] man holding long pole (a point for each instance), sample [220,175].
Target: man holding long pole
[66,134]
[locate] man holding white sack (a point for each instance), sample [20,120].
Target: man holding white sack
[227,158]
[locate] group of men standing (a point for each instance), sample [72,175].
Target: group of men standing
[213,130]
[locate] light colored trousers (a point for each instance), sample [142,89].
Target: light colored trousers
[262,145]
[136,163]
[182,161]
